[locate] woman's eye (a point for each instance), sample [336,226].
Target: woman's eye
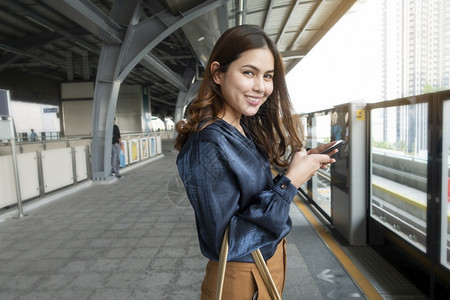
[268,76]
[248,73]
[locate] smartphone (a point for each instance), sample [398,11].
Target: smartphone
[332,147]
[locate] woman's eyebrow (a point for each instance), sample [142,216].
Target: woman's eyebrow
[257,69]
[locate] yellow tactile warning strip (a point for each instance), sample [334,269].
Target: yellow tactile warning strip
[351,268]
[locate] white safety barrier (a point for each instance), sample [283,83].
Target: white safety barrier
[49,166]
[28,178]
[57,168]
[140,147]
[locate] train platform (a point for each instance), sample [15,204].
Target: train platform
[135,238]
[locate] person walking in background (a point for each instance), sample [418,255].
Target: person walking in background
[33,136]
[240,125]
[116,147]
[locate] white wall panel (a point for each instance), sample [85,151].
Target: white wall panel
[158,145]
[152,146]
[80,161]
[77,90]
[77,117]
[57,168]
[129,109]
[5,130]
[28,175]
[7,183]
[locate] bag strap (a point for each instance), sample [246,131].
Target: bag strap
[260,265]
[265,274]
[222,265]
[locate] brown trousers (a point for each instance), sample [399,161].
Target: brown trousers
[242,280]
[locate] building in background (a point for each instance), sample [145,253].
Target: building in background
[415,58]
[415,46]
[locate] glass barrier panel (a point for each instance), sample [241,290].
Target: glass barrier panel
[340,169]
[320,184]
[399,158]
[306,123]
[445,196]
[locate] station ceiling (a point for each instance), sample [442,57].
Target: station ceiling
[61,40]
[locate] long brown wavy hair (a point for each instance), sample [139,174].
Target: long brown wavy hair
[274,128]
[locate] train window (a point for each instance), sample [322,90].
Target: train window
[445,195]
[399,155]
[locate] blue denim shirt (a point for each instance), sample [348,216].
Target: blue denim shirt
[228,181]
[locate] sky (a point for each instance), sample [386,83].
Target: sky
[344,66]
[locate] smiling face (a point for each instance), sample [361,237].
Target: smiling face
[246,85]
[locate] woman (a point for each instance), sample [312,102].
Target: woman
[239,126]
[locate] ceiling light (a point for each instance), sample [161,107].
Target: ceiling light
[200,39]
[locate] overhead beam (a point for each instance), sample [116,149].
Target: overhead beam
[87,15]
[104,27]
[268,14]
[291,54]
[156,66]
[23,53]
[142,37]
[302,26]
[337,14]
[46,37]
[283,30]
[163,101]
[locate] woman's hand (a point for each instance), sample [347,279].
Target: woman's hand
[305,165]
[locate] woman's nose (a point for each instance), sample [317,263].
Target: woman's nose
[258,85]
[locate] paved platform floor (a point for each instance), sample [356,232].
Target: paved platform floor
[135,239]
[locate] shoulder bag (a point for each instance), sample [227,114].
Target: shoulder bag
[259,262]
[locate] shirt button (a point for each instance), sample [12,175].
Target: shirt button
[283,186]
